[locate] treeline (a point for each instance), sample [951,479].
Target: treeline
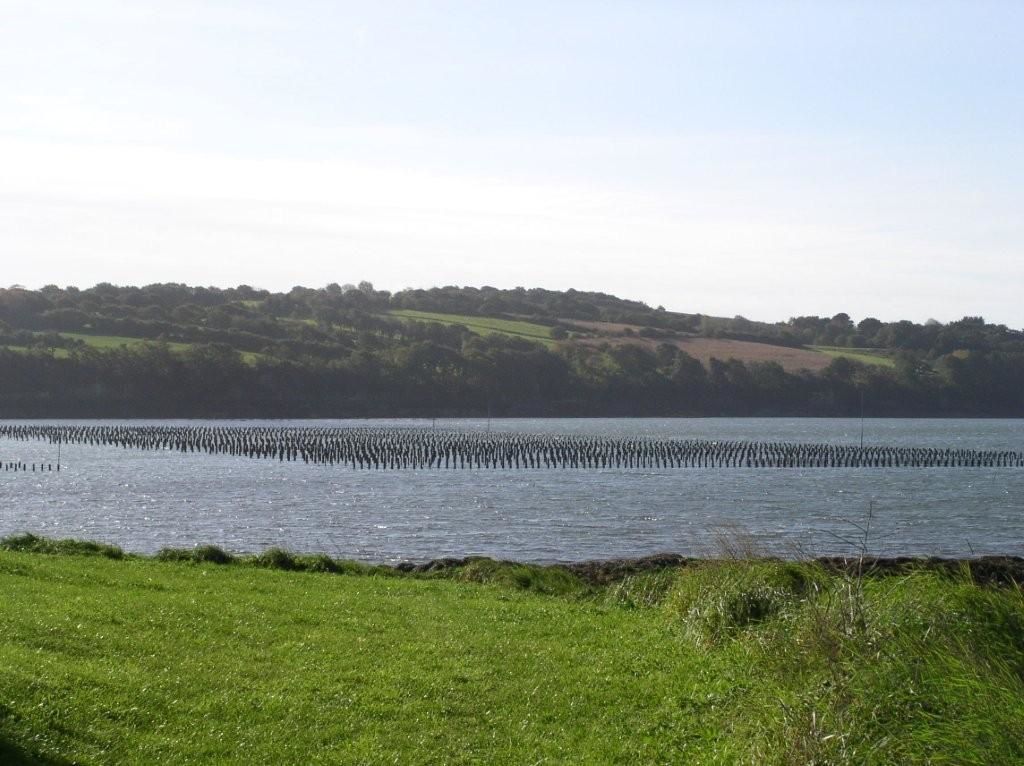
[247,315]
[493,375]
[336,352]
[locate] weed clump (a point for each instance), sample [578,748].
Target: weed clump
[718,599]
[882,667]
[211,554]
[644,590]
[550,580]
[277,558]
[173,554]
[29,543]
[204,554]
[318,563]
[271,558]
[347,567]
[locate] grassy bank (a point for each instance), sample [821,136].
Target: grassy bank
[202,657]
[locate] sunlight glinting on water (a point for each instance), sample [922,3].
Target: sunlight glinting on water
[145,500]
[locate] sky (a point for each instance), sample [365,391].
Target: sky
[764,159]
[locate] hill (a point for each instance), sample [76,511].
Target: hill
[176,350]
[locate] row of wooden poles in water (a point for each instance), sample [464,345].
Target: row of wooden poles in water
[420,448]
[20,465]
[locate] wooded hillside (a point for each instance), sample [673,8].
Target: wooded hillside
[344,351]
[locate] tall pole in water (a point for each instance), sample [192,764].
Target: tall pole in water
[58,454]
[862,418]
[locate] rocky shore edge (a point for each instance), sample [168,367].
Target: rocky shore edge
[984,570]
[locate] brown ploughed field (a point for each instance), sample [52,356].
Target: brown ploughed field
[791,359]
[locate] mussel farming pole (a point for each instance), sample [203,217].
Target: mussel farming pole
[397,448]
[59,440]
[862,418]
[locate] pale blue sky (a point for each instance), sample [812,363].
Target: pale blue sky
[768,159]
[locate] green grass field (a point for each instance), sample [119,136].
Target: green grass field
[110,342]
[106,660]
[59,353]
[864,355]
[101,342]
[484,325]
[107,342]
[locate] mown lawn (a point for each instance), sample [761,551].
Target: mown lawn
[141,661]
[864,355]
[483,325]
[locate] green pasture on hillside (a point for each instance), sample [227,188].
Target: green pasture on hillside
[101,342]
[864,355]
[483,325]
[130,660]
[110,342]
[107,342]
[59,353]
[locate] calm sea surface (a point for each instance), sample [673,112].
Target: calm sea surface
[144,501]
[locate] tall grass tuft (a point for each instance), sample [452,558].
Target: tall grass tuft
[893,670]
[277,558]
[204,554]
[717,599]
[29,543]
[318,563]
[642,590]
[211,554]
[550,580]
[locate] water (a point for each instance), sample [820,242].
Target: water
[144,501]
